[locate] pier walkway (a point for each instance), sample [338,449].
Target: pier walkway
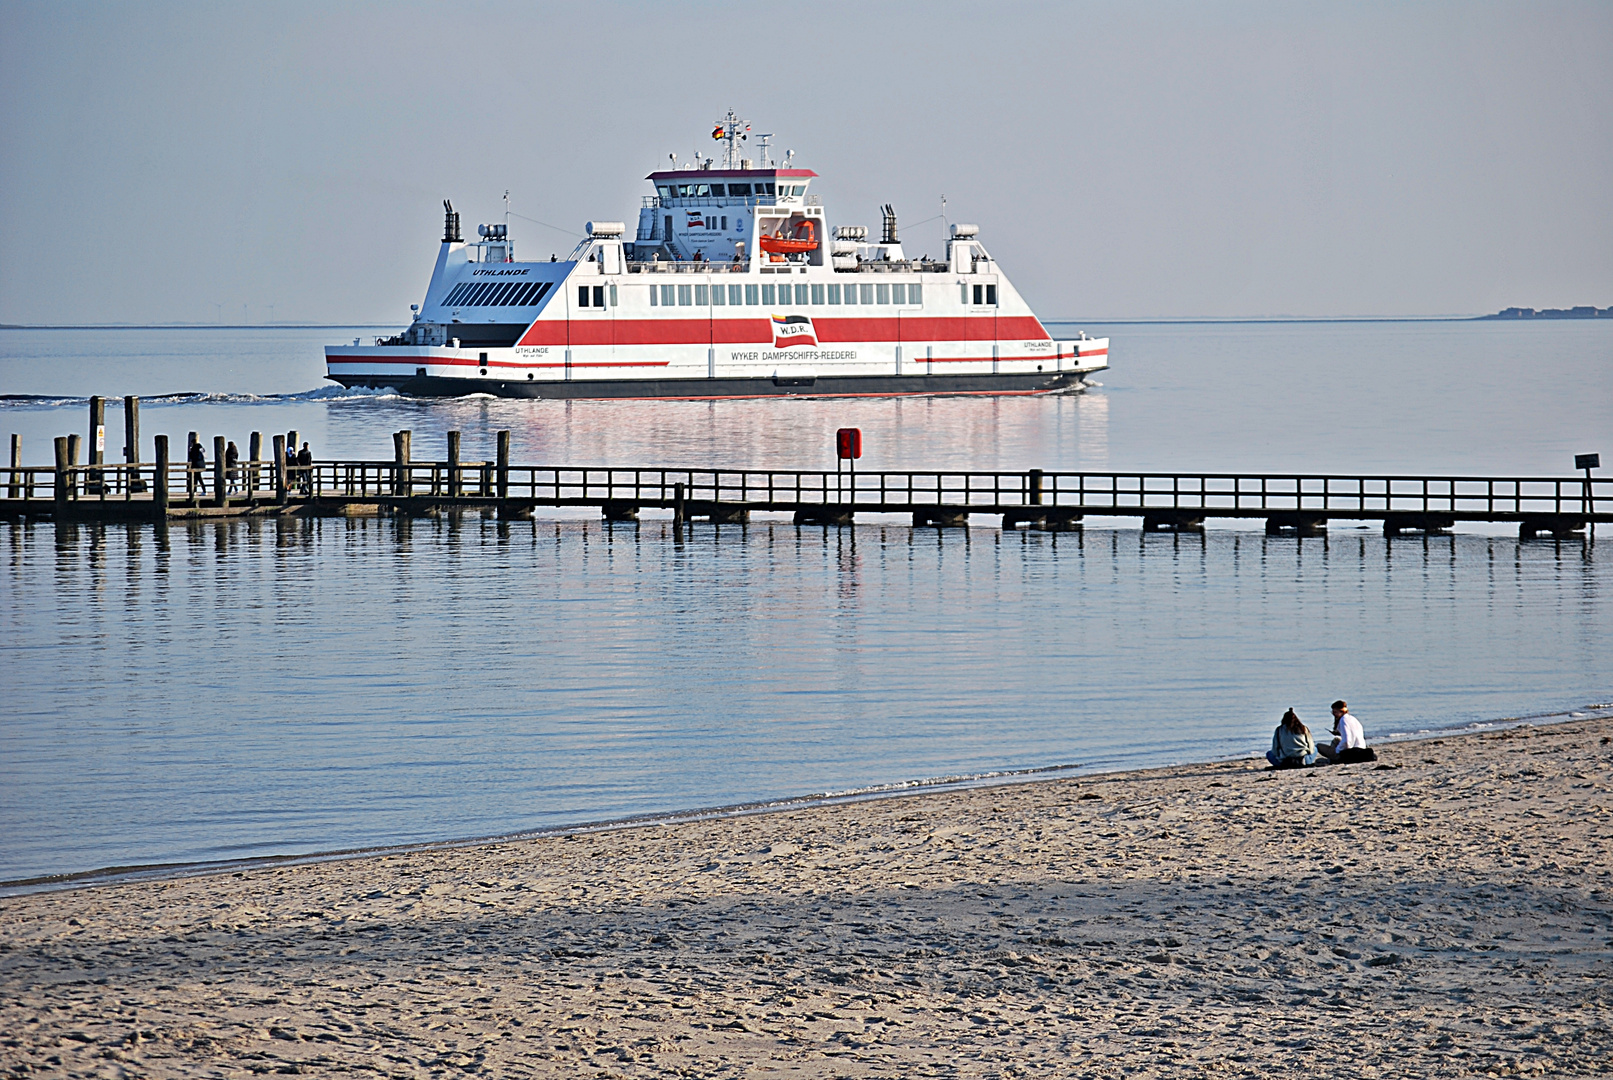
[1288,503]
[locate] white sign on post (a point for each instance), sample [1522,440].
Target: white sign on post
[100,437]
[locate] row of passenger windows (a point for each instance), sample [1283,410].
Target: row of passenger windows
[718,191]
[801,295]
[596,293]
[497,294]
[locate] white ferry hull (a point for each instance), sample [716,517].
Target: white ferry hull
[725,386]
[731,288]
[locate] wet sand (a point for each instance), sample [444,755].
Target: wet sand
[1448,912]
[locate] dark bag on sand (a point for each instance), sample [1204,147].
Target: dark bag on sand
[1292,763]
[1355,754]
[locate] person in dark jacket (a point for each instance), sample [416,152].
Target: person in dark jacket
[196,460]
[1291,744]
[305,462]
[232,467]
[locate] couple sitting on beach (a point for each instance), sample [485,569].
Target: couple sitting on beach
[1293,748]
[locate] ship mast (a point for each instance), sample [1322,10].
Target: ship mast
[732,131]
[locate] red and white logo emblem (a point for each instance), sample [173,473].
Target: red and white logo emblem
[793,330]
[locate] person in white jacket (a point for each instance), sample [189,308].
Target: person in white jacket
[1349,738]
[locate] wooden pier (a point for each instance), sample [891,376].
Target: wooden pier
[166,489]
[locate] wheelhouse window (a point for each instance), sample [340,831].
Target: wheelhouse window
[717,191]
[738,189]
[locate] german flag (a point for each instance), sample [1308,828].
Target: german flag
[716,132]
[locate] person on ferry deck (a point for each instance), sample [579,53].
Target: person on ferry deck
[1291,744]
[1349,743]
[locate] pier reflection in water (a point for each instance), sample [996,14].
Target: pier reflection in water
[277,686]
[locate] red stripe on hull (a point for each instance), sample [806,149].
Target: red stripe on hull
[758,331]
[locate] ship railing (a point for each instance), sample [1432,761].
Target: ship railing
[685,266]
[658,202]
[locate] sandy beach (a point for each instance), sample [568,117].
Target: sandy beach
[1446,912]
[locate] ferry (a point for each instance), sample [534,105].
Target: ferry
[732,286]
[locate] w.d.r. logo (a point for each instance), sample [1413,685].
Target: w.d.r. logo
[793,330]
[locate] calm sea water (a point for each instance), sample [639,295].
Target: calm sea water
[279,687]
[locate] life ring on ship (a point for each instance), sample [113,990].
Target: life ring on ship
[805,239]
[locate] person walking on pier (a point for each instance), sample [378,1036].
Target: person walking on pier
[196,478]
[232,468]
[1291,744]
[305,469]
[1349,738]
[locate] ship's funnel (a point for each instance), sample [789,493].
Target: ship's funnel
[450,228]
[889,234]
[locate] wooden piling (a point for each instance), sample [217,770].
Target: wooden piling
[453,465]
[97,447]
[401,477]
[72,463]
[61,470]
[279,469]
[131,441]
[677,506]
[1034,483]
[254,456]
[503,465]
[159,480]
[131,429]
[220,490]
[16,463]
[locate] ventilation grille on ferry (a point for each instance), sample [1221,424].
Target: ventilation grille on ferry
[497,294]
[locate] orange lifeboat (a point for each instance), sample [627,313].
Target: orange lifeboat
[805,239]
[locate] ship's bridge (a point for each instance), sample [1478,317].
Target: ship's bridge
[709,214]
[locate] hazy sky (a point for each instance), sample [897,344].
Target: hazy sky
[171,162]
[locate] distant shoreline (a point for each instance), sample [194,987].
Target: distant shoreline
[1192,320]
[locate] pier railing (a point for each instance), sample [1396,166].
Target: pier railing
[1022,493]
